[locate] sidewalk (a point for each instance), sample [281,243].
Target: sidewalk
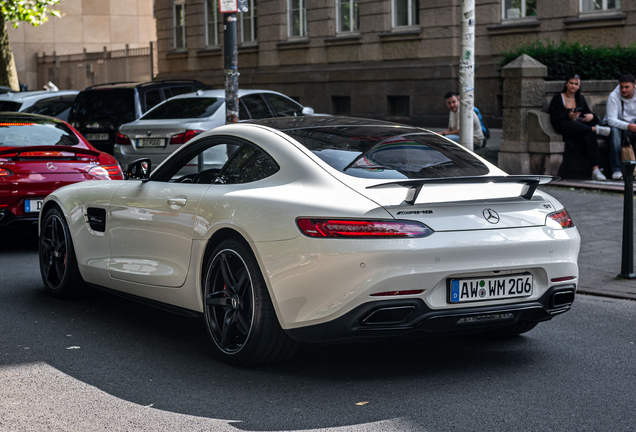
[597,210]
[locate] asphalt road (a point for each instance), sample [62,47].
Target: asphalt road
[103,363]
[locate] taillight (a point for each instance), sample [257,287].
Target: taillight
[362,228]
[46,154]
[560,219]
[4,172]
[106,171]
[183,138]
[122,139]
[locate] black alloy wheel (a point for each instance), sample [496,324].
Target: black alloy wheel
[239,315]
[58,265]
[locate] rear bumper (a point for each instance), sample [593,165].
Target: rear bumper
[396,318]
[8,218]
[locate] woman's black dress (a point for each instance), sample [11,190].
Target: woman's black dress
[581,145]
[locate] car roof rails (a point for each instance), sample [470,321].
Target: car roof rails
[112,84]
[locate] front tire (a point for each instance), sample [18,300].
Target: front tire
[239,315]
[58,265]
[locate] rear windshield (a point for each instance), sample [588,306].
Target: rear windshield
[115,104]
[10,106]
[387,152]
[52,106]
[27,133]
[184,108]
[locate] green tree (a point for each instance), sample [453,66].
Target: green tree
[34,12]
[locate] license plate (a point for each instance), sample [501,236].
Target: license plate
[32,206]
[490,288]
[97,137]
[151,142]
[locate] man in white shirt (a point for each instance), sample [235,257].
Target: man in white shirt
[621,116]
[452,131]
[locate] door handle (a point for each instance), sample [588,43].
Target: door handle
[177,203]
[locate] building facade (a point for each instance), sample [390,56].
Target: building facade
[91,25]
[391,59]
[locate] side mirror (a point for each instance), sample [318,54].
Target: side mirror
[138,170]
[308,111]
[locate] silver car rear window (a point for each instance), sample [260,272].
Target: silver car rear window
[184,108]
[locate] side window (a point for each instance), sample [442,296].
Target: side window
[152,98]
[248,164]
[217,161]
[284,107]
[176,91]
[243,114]
[256,106]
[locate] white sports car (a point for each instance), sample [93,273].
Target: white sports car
[318,229]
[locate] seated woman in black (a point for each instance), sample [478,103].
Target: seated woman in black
[572,118]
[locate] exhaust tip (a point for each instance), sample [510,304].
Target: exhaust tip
[562,298]
[389,315]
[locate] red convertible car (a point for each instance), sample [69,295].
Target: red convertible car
[39,154]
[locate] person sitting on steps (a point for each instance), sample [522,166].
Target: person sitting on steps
[621,116]
[452,131]
[572,118]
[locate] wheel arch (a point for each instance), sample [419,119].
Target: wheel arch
[231,233]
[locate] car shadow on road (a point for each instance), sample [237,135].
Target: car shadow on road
[147,356]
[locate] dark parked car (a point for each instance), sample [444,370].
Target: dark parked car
[100,110]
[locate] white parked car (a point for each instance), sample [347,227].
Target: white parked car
[51,103]
[319,229]
[174,122]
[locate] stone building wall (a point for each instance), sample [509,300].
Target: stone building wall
[87,25]
[379,64]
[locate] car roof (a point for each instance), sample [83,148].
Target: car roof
[309,122]
[220,93]
[132,84]
[37,95]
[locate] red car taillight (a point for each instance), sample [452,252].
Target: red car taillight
[122,139]
[183,138]
[562,218]
[362,228]
[5,172]
[106,171]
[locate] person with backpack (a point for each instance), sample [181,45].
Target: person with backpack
[572,118]
[621,118]
[452,131]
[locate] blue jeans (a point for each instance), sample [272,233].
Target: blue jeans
[456,138]
[614,143]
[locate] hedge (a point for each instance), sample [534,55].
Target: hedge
[590,63]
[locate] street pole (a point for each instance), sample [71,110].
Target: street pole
[467,73]
[627,257]
[230,57]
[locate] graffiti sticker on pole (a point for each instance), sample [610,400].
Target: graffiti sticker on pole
[227,6]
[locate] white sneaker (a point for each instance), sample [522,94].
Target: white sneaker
[603,130]
[598,175]
[617,175]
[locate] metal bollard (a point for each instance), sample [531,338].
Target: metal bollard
[627,261]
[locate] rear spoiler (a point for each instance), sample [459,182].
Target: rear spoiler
[530,182]
[60,148]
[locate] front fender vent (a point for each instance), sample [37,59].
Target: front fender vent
[96,219]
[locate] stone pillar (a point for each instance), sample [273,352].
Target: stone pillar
[524,89]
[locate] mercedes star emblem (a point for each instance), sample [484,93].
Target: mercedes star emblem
[51,166]
[148,133]
[491,216]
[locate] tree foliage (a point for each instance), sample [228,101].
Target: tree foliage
[34,12]
[564,59]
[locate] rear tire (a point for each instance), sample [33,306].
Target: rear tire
[239,315]
[58,265]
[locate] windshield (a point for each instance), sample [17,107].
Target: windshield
[184,108]
[52,106]
[388,152]
[29,132]
[10,106]
[114,104]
